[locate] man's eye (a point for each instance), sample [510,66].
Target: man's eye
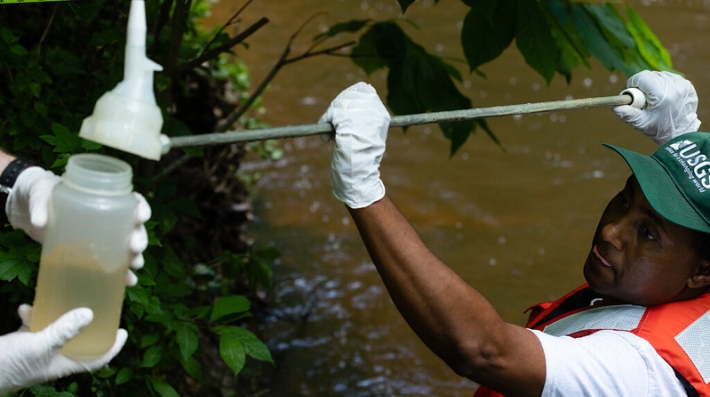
[648,234]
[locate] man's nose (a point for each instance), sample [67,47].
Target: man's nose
[616,233]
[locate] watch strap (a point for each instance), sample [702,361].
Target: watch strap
[8,178]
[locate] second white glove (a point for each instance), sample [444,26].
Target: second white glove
[361,122]
[27,204]
[28,358]
[671,109]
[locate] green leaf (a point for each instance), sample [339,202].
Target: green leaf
[172,265]
[260,273]
[61,161]
[201,312]
[149,339]
[488,29]
[193,368]
[36,89]
[152,356]
[13,239]
[569,43]
[186,207]
[64,141]
[595,41]
[90,145]
[364,54]
[612,25]
[38,75]
[124,375]
[534,40]
[7,36]
[351,26]
[73,388]
[231,349]
[186,338]
[252,345]
[18,49]
[40,108]
[105,372]
[418,81]
[165,217]
[164,389]
[14,264]
[268,253]
[138,294]
[647,43]
[228,305]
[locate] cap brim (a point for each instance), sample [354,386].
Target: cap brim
[661,191]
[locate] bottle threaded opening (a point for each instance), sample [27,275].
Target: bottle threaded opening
[98,173]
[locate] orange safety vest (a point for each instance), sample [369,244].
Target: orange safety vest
[678,331]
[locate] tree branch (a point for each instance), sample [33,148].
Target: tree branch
[163,18]
[206,56]
[49,24]
[264,83]
[182,8]
[327,51]
[283,61]
[230,21]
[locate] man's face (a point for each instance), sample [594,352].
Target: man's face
[639,257]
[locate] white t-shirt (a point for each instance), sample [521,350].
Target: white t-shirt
[606,363]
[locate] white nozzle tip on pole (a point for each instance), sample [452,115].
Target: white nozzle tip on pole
[638,98]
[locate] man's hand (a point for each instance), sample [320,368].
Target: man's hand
[361,122]
[28,204]
[671,107]
[28,358]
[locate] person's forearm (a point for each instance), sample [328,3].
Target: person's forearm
[453,319]
[449,315]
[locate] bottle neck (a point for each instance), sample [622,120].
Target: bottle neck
[98,174]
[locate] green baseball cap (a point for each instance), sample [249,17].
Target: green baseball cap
[676,179]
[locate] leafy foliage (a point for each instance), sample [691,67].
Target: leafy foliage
[191,306]
[553,36]
[409,62]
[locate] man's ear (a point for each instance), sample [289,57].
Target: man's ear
[702,277]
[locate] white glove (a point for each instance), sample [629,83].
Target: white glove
[27,204]
[27,358]
[27,209]
[671,107]
[361,122]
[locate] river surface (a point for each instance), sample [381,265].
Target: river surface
[515,222]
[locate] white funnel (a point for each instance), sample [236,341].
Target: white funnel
[127,117]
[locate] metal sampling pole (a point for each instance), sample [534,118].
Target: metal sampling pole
[632,97]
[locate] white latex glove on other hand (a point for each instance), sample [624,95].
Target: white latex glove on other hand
[671,107]
[28,204]
[28,358]
[361,122]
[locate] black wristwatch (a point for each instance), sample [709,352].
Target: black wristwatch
[7,181]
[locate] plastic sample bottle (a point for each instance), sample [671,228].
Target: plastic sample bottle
[85,254]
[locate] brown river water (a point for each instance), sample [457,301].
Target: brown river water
[516,222]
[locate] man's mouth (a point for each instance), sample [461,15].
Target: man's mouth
[600,257]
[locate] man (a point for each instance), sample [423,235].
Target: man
[27,358]
[648,254]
